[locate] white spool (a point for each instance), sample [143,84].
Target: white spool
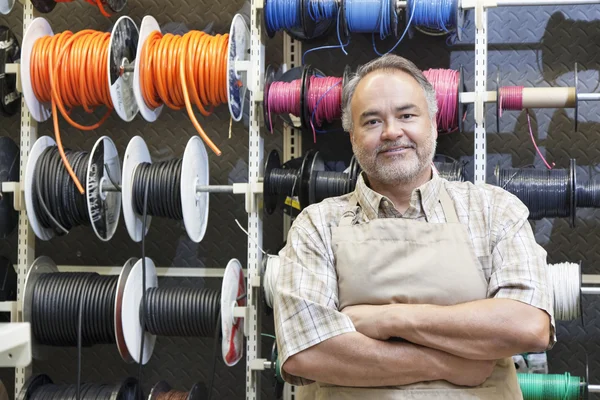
[194,171]
[38,28]
[136,153]
[237,83]
[149,25]
[233,288]
[565,281]
[271,275]
[6,6]
[34,154]
[130,311]
[122,47]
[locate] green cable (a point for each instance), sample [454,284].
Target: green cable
[549,387]
[267,335]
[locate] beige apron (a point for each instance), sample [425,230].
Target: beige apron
[397,260]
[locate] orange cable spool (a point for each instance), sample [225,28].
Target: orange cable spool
[69,70]
[178,70]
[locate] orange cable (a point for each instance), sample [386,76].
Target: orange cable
[176,70]
[98,3]
[69,70]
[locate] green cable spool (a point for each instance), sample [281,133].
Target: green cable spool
[551,386]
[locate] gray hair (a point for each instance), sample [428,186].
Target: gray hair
[389,62]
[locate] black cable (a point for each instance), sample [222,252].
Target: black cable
[283,181]
[163,182]
[89,391]
[546,193]
[332,184]
[588,193]
[56,302]
[180,311]
[143,316]
[57,202]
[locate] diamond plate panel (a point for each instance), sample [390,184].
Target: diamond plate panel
[532,46]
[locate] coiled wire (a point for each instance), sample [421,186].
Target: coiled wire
[282,14]
[588,193]
[164,188]
[56,201]
[565,281]
[180,311]
[369,16]
[322,10]
[56,300]
[438,15]
[451,171]
[546,193]
[550,386]
[332,184]
[42,389]
[283,181]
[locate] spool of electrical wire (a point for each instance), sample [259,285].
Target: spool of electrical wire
[435,17]
[41,387]
[551,386]
[546,193]
[171,187]
[448,85]
[565,281]
[370,16]
[163,391]
[588,192]
[301,19]
[55,206]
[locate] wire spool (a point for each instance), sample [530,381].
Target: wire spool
[551,386]
[60,78]
[171,188]
[163,391]
[46,6]
[436,17]
[519,98]
[565,279]
[301,19]
[41,387]
[448,85]
[451,171]
[9,172]
[278,382]
[10,53]
[6,6]
[52,301]
[326,184]
[588,192]
[233,294]
[54,205]
[278,182]
[546,193]
[370,16]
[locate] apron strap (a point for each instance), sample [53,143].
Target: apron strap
[448,206]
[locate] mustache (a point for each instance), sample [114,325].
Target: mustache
[389,146]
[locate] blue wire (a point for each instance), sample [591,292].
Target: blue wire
[439,15]
[369,16]
[340,46]
[410,20]
[322,10]
[282,14]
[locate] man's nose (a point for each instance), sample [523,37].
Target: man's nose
[392,129]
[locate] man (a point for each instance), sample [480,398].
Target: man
[411,287]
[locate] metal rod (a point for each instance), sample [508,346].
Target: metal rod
[594,388]
[588,96]
[269,365]
[590,279]
[590,290]
[215,188]
[523,3]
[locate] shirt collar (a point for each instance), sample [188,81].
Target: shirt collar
[422,200]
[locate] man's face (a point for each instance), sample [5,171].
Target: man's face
[393,137]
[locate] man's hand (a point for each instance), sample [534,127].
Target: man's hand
[369,320]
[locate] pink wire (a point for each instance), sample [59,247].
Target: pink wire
[284,98]
[445,83]
[324,100]
[511,98]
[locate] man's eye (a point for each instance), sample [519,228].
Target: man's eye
[372,122]
[407,116]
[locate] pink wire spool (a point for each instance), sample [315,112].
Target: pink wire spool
[447,84]
[324,99]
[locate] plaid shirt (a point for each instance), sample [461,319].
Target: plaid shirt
[306,298]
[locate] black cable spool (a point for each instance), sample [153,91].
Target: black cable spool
[181,311]
[55,308]
[546,193]
[278,182]
[10,52]
[41,387]
[56,200]
[588,192]
[164,188]
[312,163]
[328,184]
[9,172]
